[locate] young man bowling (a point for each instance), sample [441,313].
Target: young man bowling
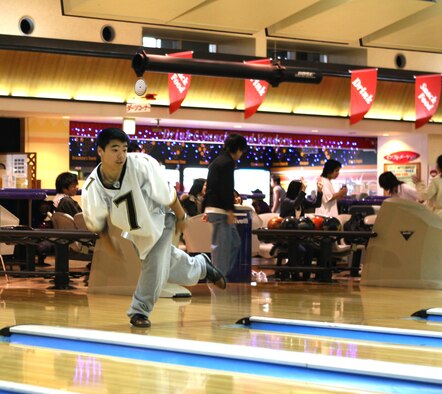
[131,189]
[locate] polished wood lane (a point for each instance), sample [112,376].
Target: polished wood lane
[209,315]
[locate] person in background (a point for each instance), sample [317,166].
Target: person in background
[66,186]
[330,197]
[134,147]
[237,199]
[278,193]
[193,202]
[295,202]
[396,188]
[220,203]
[132,192]
[432,194]
[258,203]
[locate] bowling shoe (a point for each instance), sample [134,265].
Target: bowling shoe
[139,320]
[214,275]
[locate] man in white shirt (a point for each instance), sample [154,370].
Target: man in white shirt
[131,189]
[329,206]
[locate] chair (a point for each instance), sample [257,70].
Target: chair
[256,223]
[198,235]
[80,222]
[407,251]
[352,252]
[64,221]
[363,209]
[7,219]
[369,220]
[264,248]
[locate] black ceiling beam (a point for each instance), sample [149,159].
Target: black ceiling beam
[67,47]
[274,74]
[119,51]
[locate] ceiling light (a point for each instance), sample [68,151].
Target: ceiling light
[129,126]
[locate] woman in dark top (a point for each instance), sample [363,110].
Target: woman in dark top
[295,202]
[193,203]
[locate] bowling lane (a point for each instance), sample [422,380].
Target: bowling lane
[396,336]
[301,367]
[32,369]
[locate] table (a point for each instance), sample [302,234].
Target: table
[324,239]
[60,238]
[19,202]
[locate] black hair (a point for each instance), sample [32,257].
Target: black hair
[276,179]
[389,182]
[329,166]
[197,186]
[236,194]
[112,133]
[439,164]
[133,147]
[293,189]
[64,180]
[235,142]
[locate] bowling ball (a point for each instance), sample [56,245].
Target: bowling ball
[318,221]
[274,223]
[289,223]
[305,223]
[331,224]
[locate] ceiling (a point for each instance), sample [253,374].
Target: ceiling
[410,25]
[397,24]
[342,28]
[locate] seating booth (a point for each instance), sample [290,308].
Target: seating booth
[407,251]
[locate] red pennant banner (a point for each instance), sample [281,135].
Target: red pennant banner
[426,97]
[178,84]
[362,93]
[255,91]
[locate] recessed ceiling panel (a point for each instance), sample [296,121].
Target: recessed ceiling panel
[144,11]
[244,16]
[421,31]
[345,21]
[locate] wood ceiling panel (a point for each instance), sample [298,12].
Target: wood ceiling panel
[35,75]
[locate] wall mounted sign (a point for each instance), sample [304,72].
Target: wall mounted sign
[402,156]
[404,172]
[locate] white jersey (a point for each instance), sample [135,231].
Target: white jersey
[138,207]
[329,206]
